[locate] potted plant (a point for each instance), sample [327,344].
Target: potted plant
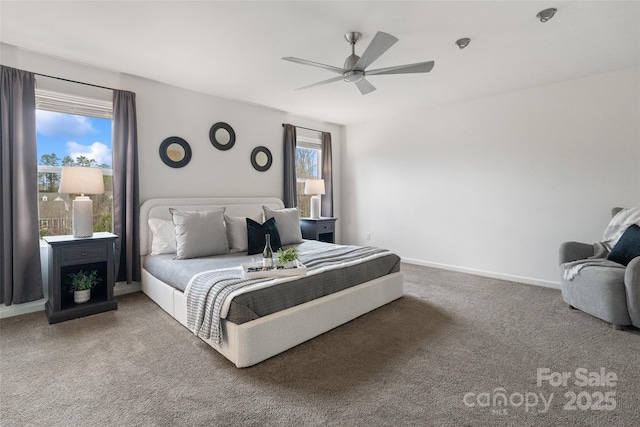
[82,283]
[287,258]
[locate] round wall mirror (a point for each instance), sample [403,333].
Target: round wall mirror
[175,152]
[222,136]
[261,159]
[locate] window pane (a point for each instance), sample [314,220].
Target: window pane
[308,165]
[71,140]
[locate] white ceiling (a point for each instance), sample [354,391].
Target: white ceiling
[234,49]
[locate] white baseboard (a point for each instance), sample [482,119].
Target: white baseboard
[121,288]
[18,309]
[491,274]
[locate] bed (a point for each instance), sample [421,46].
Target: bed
[250,342]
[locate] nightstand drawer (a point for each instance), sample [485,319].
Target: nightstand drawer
[325,227]
[83,254]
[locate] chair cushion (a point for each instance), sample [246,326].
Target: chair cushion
[628,247]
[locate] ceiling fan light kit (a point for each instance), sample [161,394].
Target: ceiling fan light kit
[355,67]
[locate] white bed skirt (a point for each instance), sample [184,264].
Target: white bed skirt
[255,341]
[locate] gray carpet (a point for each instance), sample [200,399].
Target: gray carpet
[411,362]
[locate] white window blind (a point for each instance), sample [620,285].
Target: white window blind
[309,139]
[71,104]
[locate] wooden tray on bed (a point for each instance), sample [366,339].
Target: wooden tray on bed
[255,269]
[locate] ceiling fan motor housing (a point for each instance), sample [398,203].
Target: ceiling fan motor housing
[351,61]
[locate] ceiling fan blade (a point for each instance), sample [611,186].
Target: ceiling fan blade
[365,87]
[315,64]
[380,44]
[324,82]
[420,67]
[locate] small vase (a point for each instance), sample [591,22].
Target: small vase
[81,296]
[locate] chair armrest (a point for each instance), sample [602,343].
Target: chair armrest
[632,288]
[573,251]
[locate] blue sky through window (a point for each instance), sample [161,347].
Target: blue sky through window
[72,135]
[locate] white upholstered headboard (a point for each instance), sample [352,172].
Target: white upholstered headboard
[235,206]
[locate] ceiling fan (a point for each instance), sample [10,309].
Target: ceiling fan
[354,70]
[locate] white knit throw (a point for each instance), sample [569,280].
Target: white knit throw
[616,228]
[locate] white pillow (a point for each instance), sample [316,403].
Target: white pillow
[237,231]
[200,233]
[288,221]
[164,236]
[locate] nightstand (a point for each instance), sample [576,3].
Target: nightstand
[68,254]
[322,229]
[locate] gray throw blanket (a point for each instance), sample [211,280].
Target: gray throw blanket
[599,259]
[208,291]
[617,226]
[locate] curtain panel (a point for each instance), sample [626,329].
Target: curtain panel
[290,198]
[20,271]
[126,198]
[326,209]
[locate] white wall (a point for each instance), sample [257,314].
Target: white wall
[494,185]
[165,111]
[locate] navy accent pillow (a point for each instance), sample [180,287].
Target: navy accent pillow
[628,247]
[256,232]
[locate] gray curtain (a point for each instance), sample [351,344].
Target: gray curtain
[327,174]
[126,198]
[290,198]
[21,275]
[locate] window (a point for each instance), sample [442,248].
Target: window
[308,165]
[72,131]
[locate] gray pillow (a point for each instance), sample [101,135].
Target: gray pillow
[237,231]
[288,221]
[200,233]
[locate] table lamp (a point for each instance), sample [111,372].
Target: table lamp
[82,180]
[316,188]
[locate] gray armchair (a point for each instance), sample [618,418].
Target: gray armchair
[611,294]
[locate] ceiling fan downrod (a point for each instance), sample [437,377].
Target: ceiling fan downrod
[351,61]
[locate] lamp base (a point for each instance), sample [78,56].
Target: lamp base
[315,206]
[82,217]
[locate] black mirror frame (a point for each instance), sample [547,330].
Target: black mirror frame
[255,164]
[212,136]
[181,142]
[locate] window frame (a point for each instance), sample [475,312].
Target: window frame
[58,102]
[307,142]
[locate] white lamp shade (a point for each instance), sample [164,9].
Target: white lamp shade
[314,186]
[81,180]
